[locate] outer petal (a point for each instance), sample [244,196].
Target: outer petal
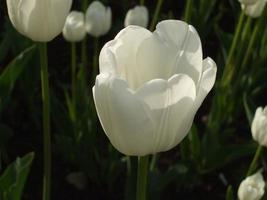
[170,106]
[255,123]
[123,116]
[206,82]
[153,119]
[184,40]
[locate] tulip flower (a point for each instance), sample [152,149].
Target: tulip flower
[259,126]
[74,29]
[39,20]
[254,10]
[137,16]
[98,19]
[151,85]
[248,2]
[252,188]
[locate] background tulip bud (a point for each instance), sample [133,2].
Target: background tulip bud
[151,85]
[254,10]
[39,20]
[247,2]
[252,188]
[259,126]
[137,16]
[74,29]
[98,19]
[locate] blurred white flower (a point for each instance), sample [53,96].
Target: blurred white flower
[151,85]
[137,16]
[74,29]
[259,126]
[98,19]
[254,10]
[39,20]
[252,188]
[247,2]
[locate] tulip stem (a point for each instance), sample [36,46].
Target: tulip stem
[232,49]
[142,2]
[188,12]
[156,14]
[251,44]
[46,121]
[142,178]
[95,59]
[73,79]
[253,164]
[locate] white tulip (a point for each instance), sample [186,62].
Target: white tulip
[254,10]
[248,2]
[98,19]
[151,85]
[252,188]
[74,29]
[259,126]
[137,16]
[40,20]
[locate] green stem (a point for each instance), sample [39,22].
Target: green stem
[142,2]
[250,45]
[46,121]
[84,52]
[142,178]
[232,49]
[188,10]
[95,58]
[73,78]
[156,14]
[253,164]
[239,56]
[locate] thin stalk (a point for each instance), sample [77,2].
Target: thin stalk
[242,43]
[73,78]
[142,2]
[233,47]
[84,42]
[156,14]
[253,164]
[95,58]
[250,45]
[46,121]
[142,178]
[188,11]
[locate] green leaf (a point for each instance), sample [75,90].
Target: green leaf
[12,72]
[13,179]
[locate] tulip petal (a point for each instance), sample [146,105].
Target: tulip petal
[206,82]
[123,116]
[170,104]
[119,55]
[185,42]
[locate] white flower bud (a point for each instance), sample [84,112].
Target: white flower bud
[74,29]
[259,126]
[39,20]
[247,2]
[98,19]
[252,188]
[254,10]
[137,16]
